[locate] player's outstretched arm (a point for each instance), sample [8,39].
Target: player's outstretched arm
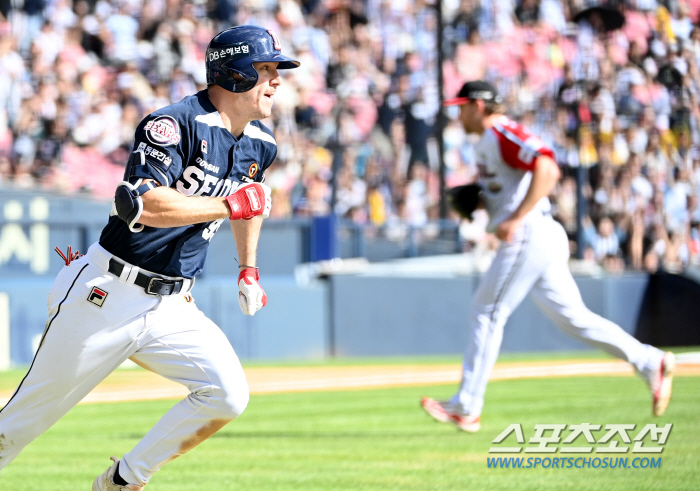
[165,207]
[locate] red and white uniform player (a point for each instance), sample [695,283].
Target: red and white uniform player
[505,155]
[532,259]
[534,262]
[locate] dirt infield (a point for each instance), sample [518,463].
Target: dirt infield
[138,385]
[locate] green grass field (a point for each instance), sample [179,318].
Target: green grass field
[372,440]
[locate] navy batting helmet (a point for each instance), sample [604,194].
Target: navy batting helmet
[234,51]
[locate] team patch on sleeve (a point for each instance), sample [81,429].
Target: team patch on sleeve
[163,131]
[155,153]
[253,169]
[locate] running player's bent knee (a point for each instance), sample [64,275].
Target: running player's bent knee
[229,404]
[222,402]
[235,403]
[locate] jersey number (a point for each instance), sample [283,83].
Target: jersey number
[209,232]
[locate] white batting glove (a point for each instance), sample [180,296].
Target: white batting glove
[268,200]
[251,296]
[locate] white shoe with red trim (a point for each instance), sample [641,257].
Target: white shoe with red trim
[662,384]
[446,412]
[470,424]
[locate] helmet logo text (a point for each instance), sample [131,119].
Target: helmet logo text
[241,49]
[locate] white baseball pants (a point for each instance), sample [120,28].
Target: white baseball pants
[83,343]
[536,262]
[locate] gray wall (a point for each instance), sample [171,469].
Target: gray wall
[399,316]
[31,225]
[419,315]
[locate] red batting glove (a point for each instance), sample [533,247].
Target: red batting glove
[252,297]
[249,200]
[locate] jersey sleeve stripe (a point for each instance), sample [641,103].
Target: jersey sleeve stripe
[510,135]
[255,132]
[211,119]
[512,146]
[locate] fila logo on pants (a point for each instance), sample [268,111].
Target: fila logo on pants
[97,296]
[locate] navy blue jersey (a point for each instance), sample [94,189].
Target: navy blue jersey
[186,147]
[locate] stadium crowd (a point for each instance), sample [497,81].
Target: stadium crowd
[355,124]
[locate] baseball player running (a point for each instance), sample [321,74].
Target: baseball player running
[194,164]
[517,173]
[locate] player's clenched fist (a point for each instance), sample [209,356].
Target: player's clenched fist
[250,200]
[251,298]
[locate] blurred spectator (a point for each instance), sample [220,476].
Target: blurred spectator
[122,28]
[528,12]
[351,193]
[605,242]
[465,23]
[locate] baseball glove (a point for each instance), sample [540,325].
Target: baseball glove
[465,199]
